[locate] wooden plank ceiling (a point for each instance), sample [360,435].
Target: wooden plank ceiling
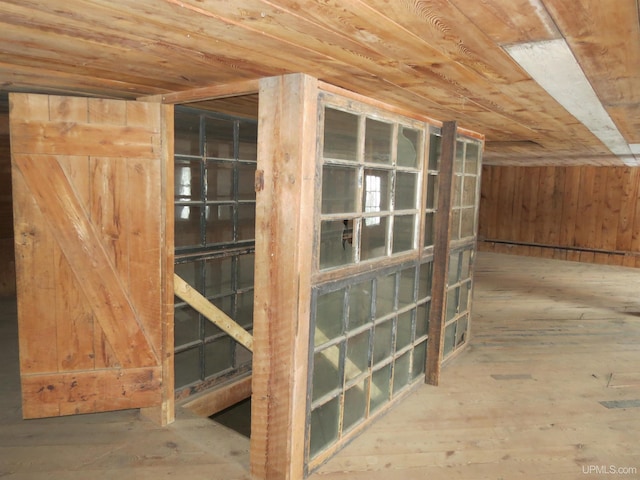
[443,58]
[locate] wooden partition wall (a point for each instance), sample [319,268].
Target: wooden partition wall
[587,214]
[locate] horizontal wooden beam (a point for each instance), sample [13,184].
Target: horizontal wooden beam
[212,313]
[235,89]
[215,400]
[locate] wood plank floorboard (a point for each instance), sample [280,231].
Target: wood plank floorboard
[550,341]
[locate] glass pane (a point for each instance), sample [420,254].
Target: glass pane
[246,221]
[336,243]
[374,235]
[419,360]
[382,338]
[187,226]
[329,312]
[340,135]
[452,303]
[429,228]
[406,289]
[408,146]
[248,140]
[422,320]
[186,133]
[218,356]
[461,330]
[219,223]
[406,190]
[188,182]
[471,160]
[403,233]
[468,221]
[218,274]
[456,200]
[469,192]
[465,270]
[458,163]
[449,338]
[355,405]
[432,186]
[455,224]
[454,268]
[339,186]
[375,196]
[385,295]
[219,181]
[245,270]
[401,372]
[324,426]
[360,304]
[246,181]
[357,361]
[424,283]
[187,367]
[404,329]
[190,272]
[244,309]
[435,142]
[380,386]
[219,138]
[377,141]
[326,374]
[186,325]
[463,301]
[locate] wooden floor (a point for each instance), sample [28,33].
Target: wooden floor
[549,388]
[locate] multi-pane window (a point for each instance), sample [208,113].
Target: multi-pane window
[371,187]
[215,163]
[465,189]
[369,344]
[431,202]
[458,299]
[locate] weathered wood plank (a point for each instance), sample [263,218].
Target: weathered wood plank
[85,392]
[67,219]
[216,400]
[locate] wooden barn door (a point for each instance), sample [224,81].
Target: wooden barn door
[89,218]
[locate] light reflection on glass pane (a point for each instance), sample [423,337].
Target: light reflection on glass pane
[324,426]
[336,247]
[382,338]
[340,135]
[374,239]
[377,143]
[187,184]
[326,373]
[380,386]
[376,192]
[401,372]
[360,304]
[329,313]
[355,405]
[406,190]
[339,186]
[357,359]
[187,226]
[403,233]
[408,145]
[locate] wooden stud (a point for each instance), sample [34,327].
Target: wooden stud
[441,254]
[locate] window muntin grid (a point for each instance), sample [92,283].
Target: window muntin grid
[458,299]
[466,174]
[368,345]
[215,163]
[371,187]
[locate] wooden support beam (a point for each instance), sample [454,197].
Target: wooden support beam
[287,129]
[212,313]
[441,249]
[215,400]
[236,89]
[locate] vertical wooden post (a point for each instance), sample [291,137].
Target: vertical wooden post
[284,238]
[441,249]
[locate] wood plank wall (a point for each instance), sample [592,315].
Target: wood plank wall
[7,260]
[587,213]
